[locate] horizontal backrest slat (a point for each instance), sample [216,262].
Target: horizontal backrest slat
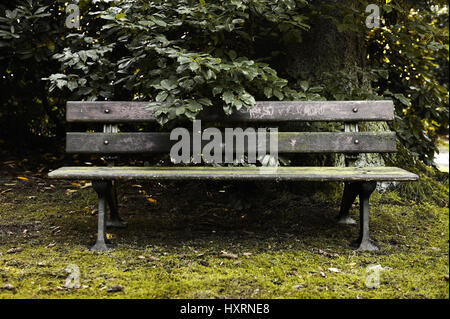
[288,142]
[124,112]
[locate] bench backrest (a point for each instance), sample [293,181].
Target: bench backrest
[350,140]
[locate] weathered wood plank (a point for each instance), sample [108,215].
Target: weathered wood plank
[336,142]
[288,142]
[122,112]
[117,143]
[237,173]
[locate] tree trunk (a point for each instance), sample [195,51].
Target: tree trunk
[325,52]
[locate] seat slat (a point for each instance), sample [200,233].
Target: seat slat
[265,111]
[236,173]
[288,142]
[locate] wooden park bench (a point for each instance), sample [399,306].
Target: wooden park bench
[360,181]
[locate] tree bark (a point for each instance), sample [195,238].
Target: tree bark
[325,51]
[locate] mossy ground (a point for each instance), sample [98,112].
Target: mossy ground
[293,240]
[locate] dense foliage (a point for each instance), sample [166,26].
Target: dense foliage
[189,54]
[409,50]
[186,55]
[30,33]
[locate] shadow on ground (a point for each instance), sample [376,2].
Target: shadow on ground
[214,240]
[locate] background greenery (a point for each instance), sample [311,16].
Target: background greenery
[192,54]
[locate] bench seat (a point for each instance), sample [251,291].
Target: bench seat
[319,173]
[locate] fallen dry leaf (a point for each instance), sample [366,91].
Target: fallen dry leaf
[224,254]
[114,288]
[5,191]
[334,269]
[154,258]
[55,229]
[327,254]
[8,287]
[299,286]
[22,178]
[14,250]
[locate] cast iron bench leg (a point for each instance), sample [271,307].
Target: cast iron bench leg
[101,187]
[351,190]
[364,243]
[114,220]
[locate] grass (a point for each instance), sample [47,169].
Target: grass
[285,243]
